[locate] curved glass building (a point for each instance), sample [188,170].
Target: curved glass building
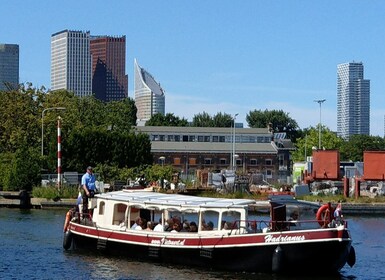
[149,95]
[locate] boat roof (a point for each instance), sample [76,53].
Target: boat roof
[161,200]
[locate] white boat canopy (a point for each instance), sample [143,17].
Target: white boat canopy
[160,200]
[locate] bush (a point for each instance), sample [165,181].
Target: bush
[52,192]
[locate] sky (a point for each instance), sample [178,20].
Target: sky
[223,56]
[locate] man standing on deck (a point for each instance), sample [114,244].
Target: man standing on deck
[88,187]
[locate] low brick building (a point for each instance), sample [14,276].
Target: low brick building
[189,149]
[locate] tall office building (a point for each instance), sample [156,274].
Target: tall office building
[353,100]
[109,79]
[71,62]
[149,96]
[9,66]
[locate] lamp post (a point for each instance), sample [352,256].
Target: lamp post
[233,143]
[162,158]
[319,101]
[42,125]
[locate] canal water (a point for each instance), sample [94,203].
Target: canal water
[31,248]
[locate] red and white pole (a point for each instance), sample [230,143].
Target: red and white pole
[59,171]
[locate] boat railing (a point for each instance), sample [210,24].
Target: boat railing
[259,226]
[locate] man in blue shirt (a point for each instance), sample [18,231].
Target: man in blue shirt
[88,187]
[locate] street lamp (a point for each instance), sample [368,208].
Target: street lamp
[233,142]
[42,125]
[162,158]
[319,101]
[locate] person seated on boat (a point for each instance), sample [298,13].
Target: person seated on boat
[193,227]
[168,226]
[176,227]
[185,227]
[204,225]
[137,224]
[159,227]
[148,226]
[209,226]
[337,216]
[293,218]
[252,227]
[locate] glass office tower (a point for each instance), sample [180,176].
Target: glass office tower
[353,100]
[9,66]
[71,62]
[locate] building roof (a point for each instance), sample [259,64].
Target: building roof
[202,130]
[213,147]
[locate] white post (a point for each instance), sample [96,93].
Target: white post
[320,101]
[233,141]
[59,171]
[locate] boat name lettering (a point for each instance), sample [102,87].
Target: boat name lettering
[165,241]
[286,238]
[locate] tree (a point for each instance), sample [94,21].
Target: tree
[279,121]
[218,120]
[310,141]
[202,120]
[354,148]
[222,120]
[166,120]
[121,114]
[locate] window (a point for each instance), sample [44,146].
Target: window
[208,161]
[200,138]
[268,162]
[206,138]
[253,161]
[191,138]
[119,213]
[238,161]
[269,174]
[192,161]
[222,161]
[222,138]
[215,138]
[177,138]
[101,208]
[209,220]
[177,161]
[185,138]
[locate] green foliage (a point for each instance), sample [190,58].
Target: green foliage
[52,192]
[218,120]
[20,170]
[45,192]
[166,120]
[156,172]
[354,148]
[278,119]
[304,145]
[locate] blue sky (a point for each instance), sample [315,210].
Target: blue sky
[221,55]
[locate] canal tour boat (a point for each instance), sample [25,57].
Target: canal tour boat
[215,233]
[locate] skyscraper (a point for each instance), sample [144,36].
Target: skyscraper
[71,62]
[353,100]
[149,96]
[9,66]
[109,79]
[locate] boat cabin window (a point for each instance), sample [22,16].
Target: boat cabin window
[181,221]
[102,205]
[209,220]
[119,213]
[230,220]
